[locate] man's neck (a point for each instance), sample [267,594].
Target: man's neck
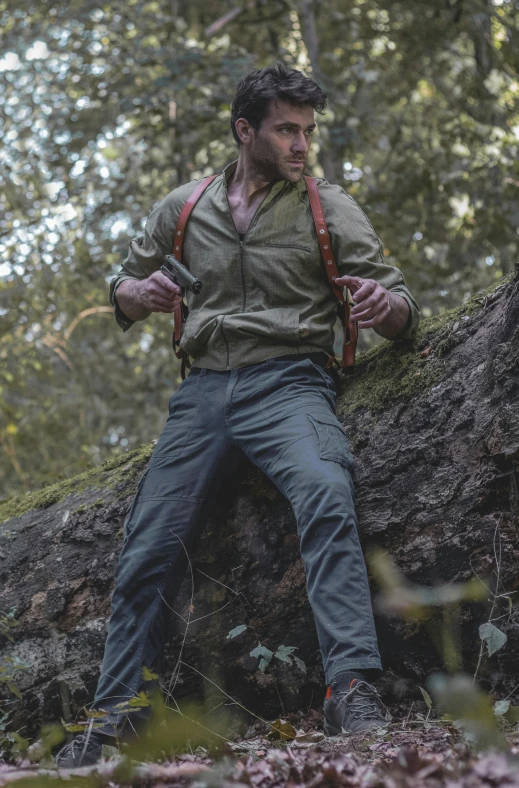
[248,182]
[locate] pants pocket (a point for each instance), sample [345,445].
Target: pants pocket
[184,407]
[332,441]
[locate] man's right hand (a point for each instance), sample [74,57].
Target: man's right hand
[137,298]
[159,294]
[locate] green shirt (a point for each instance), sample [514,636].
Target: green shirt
[267,295]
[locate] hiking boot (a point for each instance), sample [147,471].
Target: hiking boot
[353,710]
[83,750]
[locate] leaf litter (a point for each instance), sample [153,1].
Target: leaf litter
[406,754]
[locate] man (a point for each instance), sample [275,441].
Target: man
[260,333]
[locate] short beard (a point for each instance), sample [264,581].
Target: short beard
[270,167]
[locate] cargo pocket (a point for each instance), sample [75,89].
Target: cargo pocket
[332,441]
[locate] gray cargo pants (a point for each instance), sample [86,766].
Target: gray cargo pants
[281,415]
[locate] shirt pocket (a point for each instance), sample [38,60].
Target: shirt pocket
[331,440]
[288,246]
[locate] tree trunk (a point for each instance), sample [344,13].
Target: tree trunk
[434,426]
[327,156]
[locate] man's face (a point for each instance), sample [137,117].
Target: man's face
[279,149]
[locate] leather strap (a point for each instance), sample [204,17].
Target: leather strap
[341,294]
[178,243]
[185,213]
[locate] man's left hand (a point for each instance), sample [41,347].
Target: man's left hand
[375,307]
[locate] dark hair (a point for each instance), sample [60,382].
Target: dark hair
[261,86]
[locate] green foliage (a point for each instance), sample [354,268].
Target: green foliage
[493,637]
[7,624]
[470,709]
[426,697]
[501,707]
[106,108]
[283,654]
[264,655]
[286,654]
[236,631]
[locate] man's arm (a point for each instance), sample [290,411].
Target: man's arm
[376,307]
[382,301]
[140,288]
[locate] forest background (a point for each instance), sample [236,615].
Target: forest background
[105,108]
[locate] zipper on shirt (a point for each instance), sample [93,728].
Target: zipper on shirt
[242,251]
[242,246]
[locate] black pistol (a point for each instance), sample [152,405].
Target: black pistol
[179,274]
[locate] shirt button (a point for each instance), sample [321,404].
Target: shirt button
[304,330]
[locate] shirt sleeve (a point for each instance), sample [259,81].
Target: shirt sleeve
[146,252]
[359,251]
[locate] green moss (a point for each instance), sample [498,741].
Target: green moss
[399,370]
[94,505]
[107,476]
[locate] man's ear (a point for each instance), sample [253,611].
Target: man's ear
[244,130]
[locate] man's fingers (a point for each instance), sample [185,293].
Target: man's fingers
[377,320]
[354,283]
[368,314]
[164,282]
[161,304]
[367,288]
[376,299]
[167,299]
[163,291]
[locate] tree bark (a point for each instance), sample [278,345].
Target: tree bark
[434,426]
[326,156]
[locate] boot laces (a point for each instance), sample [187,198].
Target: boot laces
[78,745]
[364,700]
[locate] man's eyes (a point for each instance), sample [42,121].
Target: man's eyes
[290,130]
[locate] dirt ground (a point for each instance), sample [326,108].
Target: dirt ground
[409,753]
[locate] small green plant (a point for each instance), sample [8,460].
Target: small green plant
[7,624]
[282,653]
[493,638]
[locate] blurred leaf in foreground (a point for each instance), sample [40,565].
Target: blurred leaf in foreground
[470,708]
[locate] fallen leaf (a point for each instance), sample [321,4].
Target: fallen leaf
[310,736]
[282,729]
